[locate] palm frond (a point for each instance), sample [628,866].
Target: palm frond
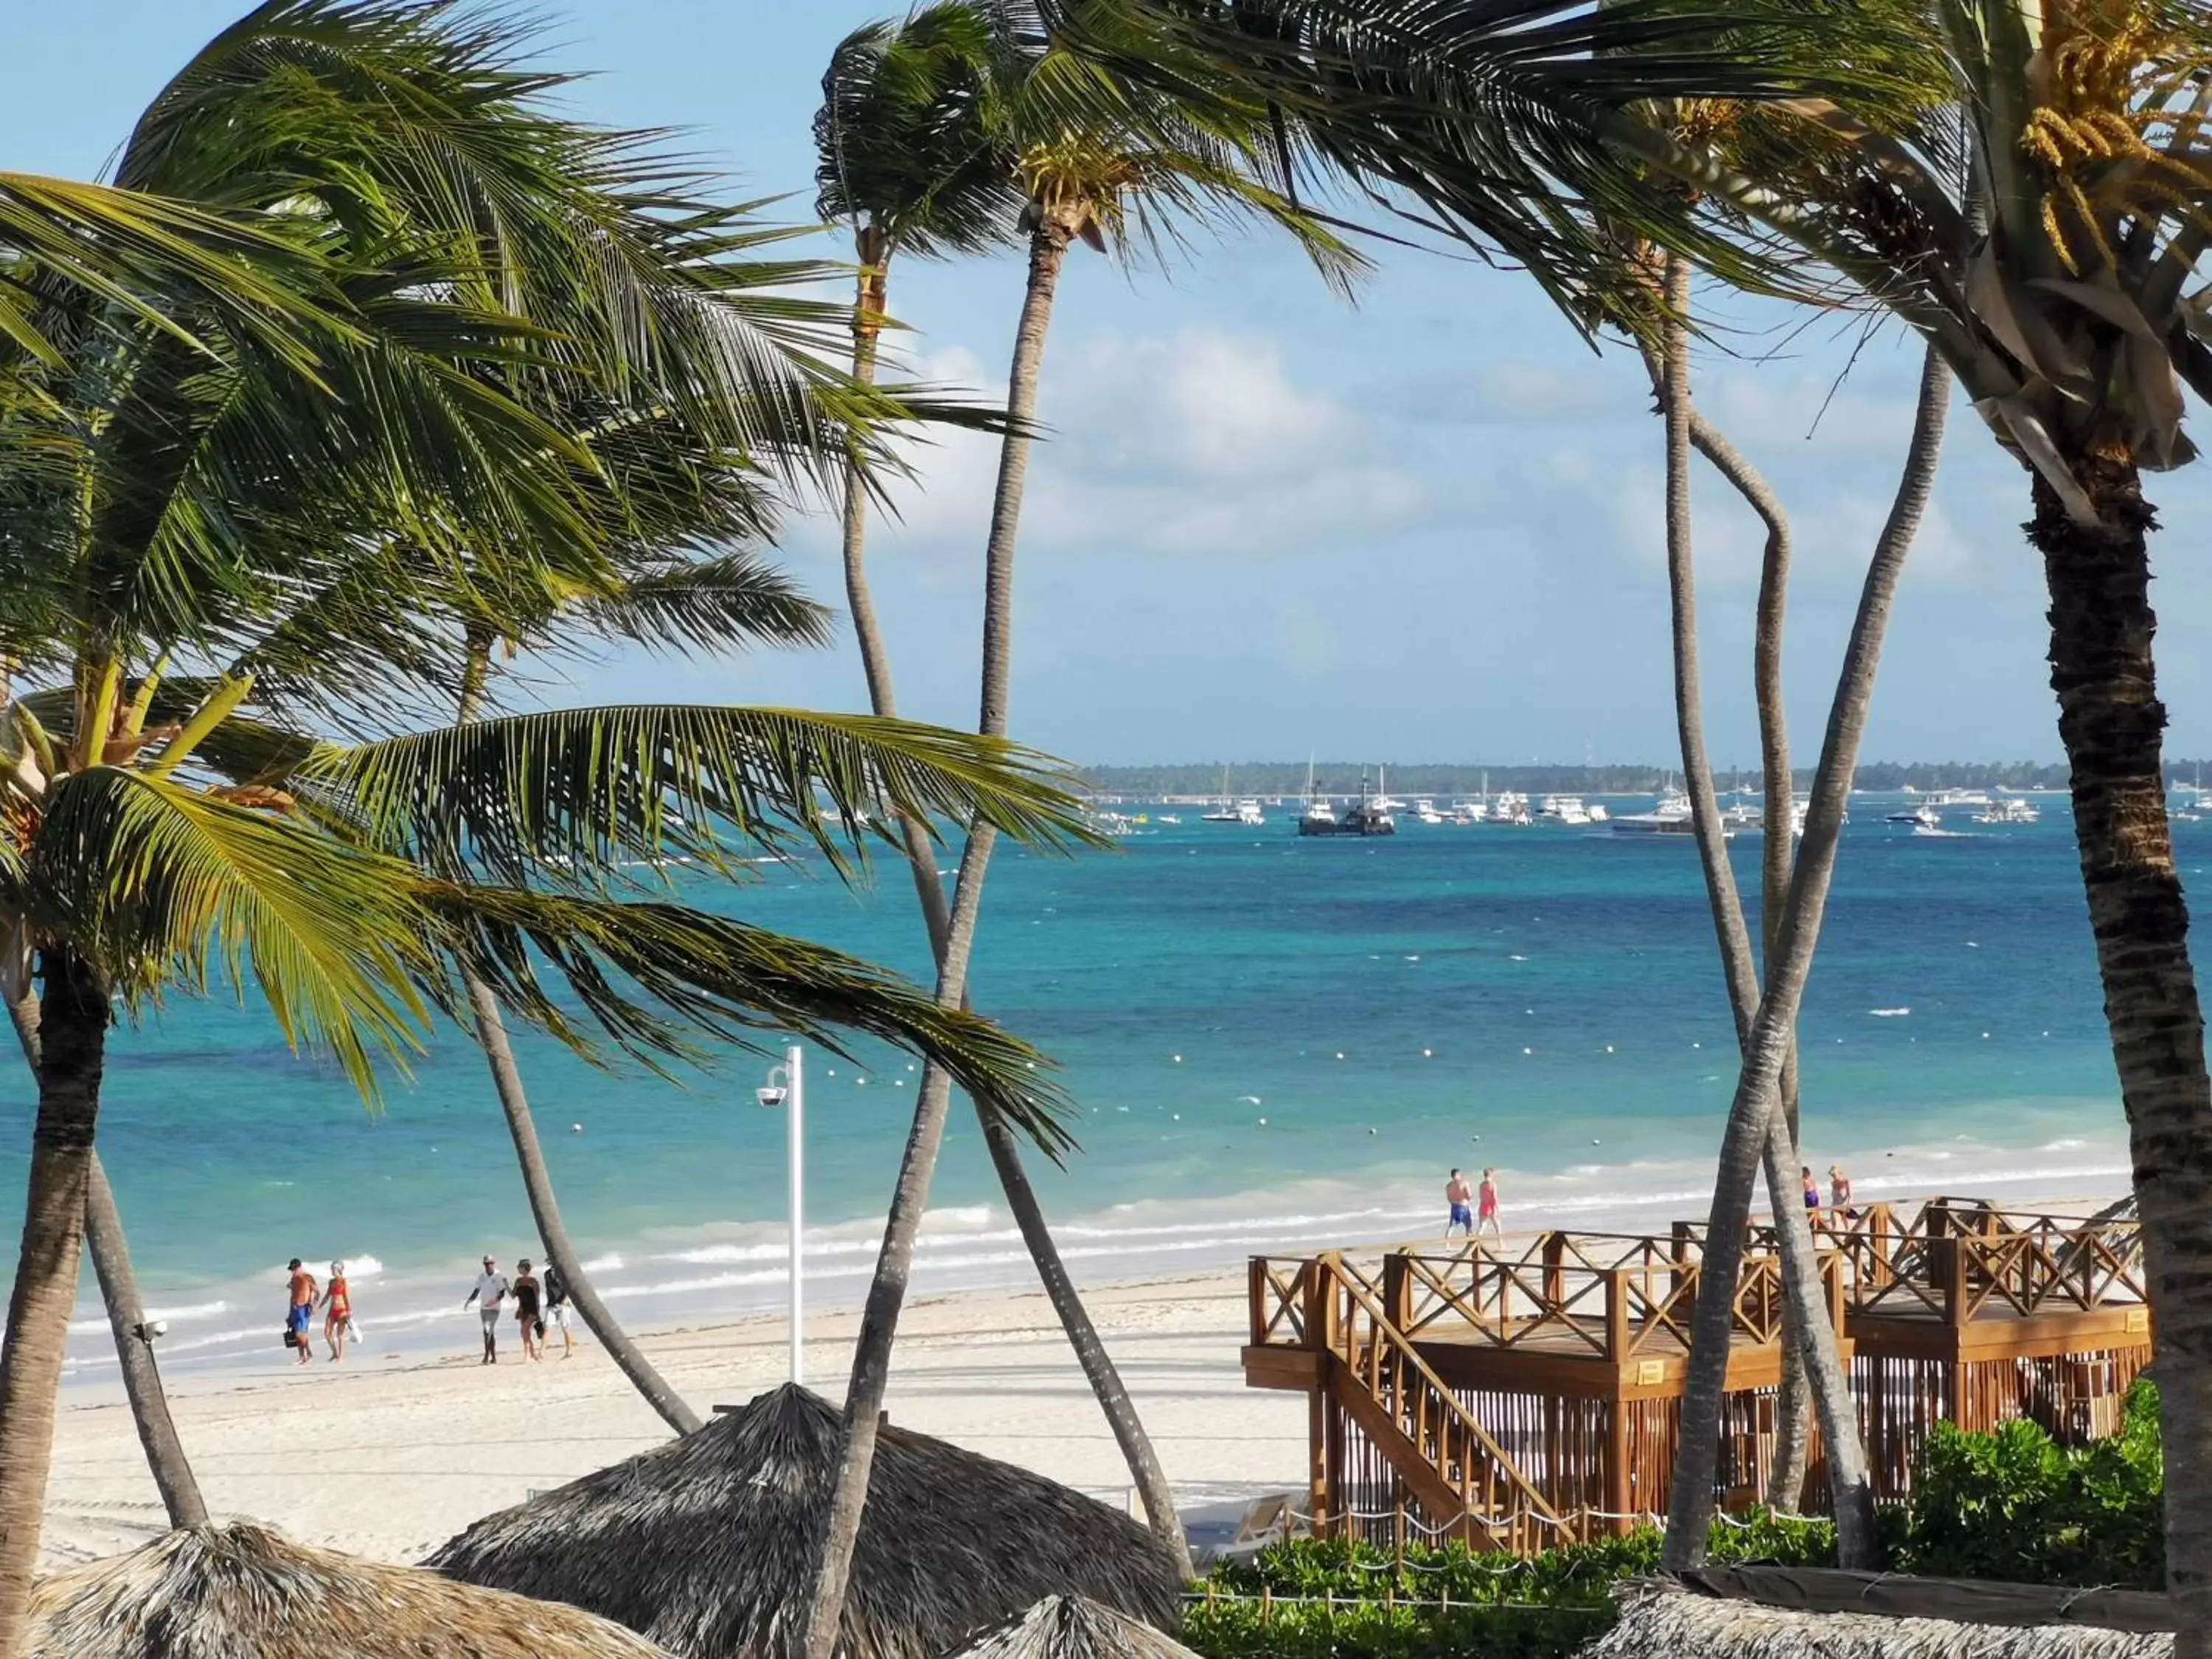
[649,974]
[734,602]
[571,795]
[155,883]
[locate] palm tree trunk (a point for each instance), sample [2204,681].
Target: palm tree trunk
[142,1378]
[536,1179]
[1752,1128]
[2110,720]
[872,1353]
[1098,1367]
[118,1288]
[1809,1325]
[545,1213]
[1785,1481]
[73,1037]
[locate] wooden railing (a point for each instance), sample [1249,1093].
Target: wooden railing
[1612,1296]
[1464,1477]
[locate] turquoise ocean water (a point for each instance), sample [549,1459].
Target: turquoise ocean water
[1273,1041]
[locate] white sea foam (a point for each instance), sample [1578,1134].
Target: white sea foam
[1889,1013]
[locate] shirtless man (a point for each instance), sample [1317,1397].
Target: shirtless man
[490,1292]
[300,1319]
[1460,1197]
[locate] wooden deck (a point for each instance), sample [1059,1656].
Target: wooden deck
[1529,1392]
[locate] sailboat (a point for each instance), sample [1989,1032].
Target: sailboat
[1320,817]
[1226,812]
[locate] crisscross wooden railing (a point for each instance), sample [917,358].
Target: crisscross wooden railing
[1492,1494]
[1961,1260]
[1610,1296]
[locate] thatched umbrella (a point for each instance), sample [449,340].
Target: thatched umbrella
[1664,1621]
[242,1592]
[708,1544]
[1070,1627]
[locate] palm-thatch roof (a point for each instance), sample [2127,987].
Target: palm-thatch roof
[708,1545]
[1070,1627]
[243,1592]
[1664,1620]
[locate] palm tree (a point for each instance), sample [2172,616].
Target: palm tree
[1101,160]
[909,153]
[1818,1356]
[190,486]
[2056,299]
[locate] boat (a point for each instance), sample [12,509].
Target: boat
[1319,818]
[1465,812]
[1250,815]
[1369,816]
[1958,798]
[2011,810]
[1670,818]
[1510,808]
[1425,810]
[1567,808]
[1170,817]
[1597,812]
[1920,817]
[1227,811]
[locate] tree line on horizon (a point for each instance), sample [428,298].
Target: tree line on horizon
[1288,778]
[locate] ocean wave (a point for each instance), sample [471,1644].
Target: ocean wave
[1889,1013]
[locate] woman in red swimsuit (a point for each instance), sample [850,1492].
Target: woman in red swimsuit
[338,1311]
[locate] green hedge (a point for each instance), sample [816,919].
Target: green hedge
[1334,1599]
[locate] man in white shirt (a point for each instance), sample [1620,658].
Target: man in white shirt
[490,1291]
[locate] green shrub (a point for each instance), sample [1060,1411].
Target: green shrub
[2013,1503]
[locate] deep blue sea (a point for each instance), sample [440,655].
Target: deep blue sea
[1271,1040]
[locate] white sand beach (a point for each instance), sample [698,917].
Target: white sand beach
[390,1454]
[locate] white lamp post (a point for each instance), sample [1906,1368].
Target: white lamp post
[787,1083]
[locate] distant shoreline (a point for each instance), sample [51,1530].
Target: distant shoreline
[1216,779]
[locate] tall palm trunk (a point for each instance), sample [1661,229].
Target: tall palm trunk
[545,1215]
[1785,1480]
[536,1179]
[134,1348]
[2110,720]
[1753,1118]
[1734,942]
[73,1043]
[1099,1368]
[126,1314]
[872,1352]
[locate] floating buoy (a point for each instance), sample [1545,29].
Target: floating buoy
[1263,1122]
[575,1128]
[1608,1047]
[1426,1053]
[1986,1036]
[1528,1051]
[1339,1054]
[1178,1060]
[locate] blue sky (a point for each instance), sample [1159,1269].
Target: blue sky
[1425,527]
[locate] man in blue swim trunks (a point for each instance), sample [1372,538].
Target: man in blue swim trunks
[1460,1197]
[301,1317]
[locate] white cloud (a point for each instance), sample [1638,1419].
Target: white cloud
[1201,442]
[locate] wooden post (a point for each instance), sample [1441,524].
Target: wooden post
[1952,1253]
[1616,1465]
[1616,1315]
[1257,1281]
[1321,1488]
[1398,1290]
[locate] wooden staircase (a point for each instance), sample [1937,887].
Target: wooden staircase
[1452,1469]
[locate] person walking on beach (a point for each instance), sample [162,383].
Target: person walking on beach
[300,1317]
[1812,1192]
[1460,1198]
[557,1307]
[527,1320]
[490,1292]
[338,1311]
[1839,1195]
[1485,1206]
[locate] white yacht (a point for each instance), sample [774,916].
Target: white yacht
[1960,798]
[1250,815]
[1465,812]
[1319,818]
[1671,816]
[1510,808]
[1425,811]
[2011,810]
[1169,817]
[1567,808]
[1227,811]
[1597,812]
[1920,817]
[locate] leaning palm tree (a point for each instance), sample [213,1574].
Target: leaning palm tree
[220,534]
[2056,297]
[1106,161]
[911,147]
